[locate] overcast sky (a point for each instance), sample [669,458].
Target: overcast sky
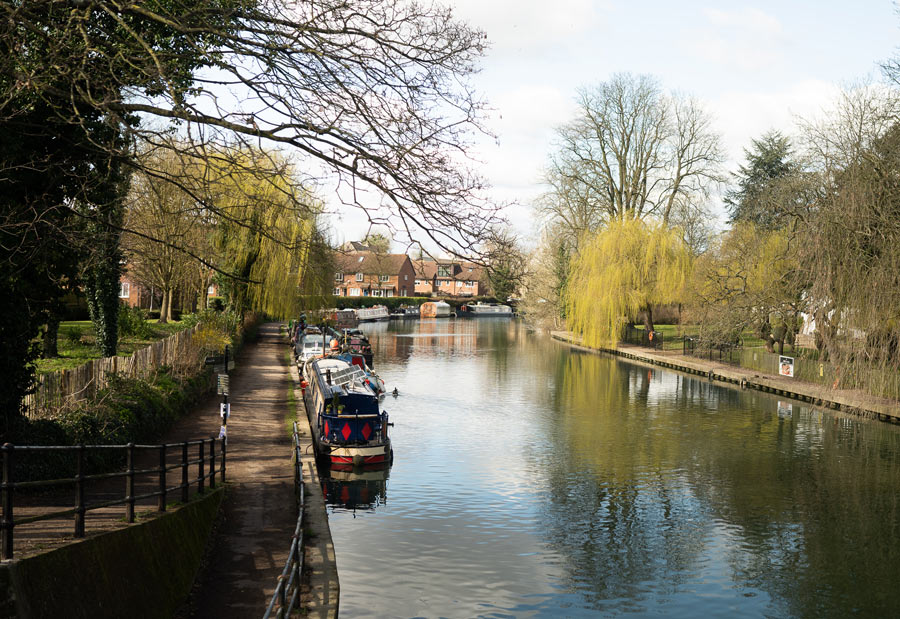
[753,65]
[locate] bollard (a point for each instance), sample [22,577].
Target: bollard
[7,490]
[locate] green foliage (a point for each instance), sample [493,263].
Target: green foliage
[74,335]
[756,197]
[132,321]
[627,268]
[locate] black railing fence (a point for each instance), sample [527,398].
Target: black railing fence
[286,597]
[730,354]
[171,457]
[642,337]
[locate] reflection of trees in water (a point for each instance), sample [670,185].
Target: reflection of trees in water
[640,490]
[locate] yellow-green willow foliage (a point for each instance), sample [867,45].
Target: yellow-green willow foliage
[627,267]
[267,224]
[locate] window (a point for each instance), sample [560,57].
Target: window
[376,293]
[353,292]
[124,290]
[443,270]
[405,277]
[470,284]
[384,278]
[211,291]
[359,277]
[403,292]
[389,293]
[336,292]
[418,282]
[338,277]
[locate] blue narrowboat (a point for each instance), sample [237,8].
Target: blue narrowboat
[343,409]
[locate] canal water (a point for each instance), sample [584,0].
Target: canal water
[534,480]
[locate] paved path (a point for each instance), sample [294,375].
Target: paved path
[254,534]
[252,541]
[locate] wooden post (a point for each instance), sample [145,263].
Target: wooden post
[161,500]
[212,463]
[185,486]
[7,490]
[129,484]
[200,477]
[79,492]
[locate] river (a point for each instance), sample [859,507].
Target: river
[534,480]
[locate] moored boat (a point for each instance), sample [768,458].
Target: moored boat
[435,309]
[368,314]
[481,310]
[348,427]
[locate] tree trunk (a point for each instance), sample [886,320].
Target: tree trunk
[648,319]
[49,348]
[163,307]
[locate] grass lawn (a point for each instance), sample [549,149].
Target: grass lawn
[673,336]
[76,344]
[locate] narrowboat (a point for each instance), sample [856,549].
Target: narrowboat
[368,314]
[359,361]
[343,410]
[434,309]
[481,310]
[344,318]
[405,313]
[311,343]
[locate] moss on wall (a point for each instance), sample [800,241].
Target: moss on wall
[143,570]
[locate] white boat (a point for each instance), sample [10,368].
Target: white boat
[478,310]
[435,309]
[377,312]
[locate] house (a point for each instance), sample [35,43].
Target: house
[134,294]
[449,278]
[371,274]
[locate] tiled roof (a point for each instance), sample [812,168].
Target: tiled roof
[369,263]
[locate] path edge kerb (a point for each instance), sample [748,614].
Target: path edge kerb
[840,400]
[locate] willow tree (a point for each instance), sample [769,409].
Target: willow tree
[623,271]
[267,230]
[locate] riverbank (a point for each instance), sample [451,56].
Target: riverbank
[846,400]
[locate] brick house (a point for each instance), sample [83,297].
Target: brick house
[370,274]
[134,294]
[449,278]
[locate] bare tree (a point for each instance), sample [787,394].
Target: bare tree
[632,151]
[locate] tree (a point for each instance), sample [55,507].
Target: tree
[625,269]
[372,95]
[747,280]
[632,151]
[849,249]
[756,198]
[505,265]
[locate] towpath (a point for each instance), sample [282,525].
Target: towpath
[847,400]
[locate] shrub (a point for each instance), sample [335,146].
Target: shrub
[73,335]
[133,322]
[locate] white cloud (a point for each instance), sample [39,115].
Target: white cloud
[514,25]
[747,40]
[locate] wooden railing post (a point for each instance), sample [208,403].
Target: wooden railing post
[200,478]
[185,487]
[212,463]
[7,490]
[129,484]
[79,491]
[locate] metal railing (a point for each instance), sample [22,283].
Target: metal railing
[287,592]
[730,355]
[206,469]
[642,337]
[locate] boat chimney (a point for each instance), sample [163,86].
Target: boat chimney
[328,376]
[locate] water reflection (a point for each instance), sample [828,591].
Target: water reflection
[354,489]
[534,480]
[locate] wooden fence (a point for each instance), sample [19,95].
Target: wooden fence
[67,387]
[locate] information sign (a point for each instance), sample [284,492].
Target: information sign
[786,366]
[222,384]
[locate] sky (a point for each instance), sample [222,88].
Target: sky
[754,66]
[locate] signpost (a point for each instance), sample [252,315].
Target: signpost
[786,366]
